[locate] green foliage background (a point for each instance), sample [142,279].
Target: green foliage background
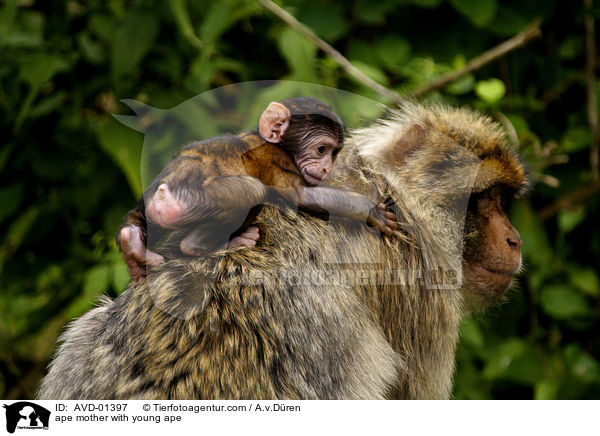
[69,171]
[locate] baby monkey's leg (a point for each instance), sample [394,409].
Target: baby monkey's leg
[216,210]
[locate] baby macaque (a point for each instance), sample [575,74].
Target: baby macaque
[208,194]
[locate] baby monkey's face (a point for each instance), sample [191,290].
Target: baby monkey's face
[309,130]
[316,156]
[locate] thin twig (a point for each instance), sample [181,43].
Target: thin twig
[551,181]
[532,31]
[590,78]
[336,55]
[179,8]
[570,199]
[561,87]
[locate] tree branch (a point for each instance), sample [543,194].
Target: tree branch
[532,31]
[561,87]
[336,55]
[570,199]
[590,79]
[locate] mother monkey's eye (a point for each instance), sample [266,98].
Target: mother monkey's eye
[321,149]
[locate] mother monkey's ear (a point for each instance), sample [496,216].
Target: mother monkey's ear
[273,122]
[412,139]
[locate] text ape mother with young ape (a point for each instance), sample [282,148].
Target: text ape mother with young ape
[201,328]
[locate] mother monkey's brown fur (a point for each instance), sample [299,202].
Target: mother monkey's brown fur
[273,322]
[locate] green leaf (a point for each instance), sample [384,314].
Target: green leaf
[581,364]
[27,31]
[479,12]
[120,276]
[546,390]
[507,22]
[198,120]
[39,67]
[133,39]
[562,302]
[17,232]
[421,70]
[356,110]
[48,105]
[585,279]
[393,51]
[95,282]
[374,12]
[361,51]
[426,3]
[325,19]
[104,26]
[459,61]
[300,55]
[92,51]
[536,279]
[491,90]
[519,123]
[5,153]
[19,229]
[52,276]
[471,333]
[527,368]
[218,18]
[569,219]
[7,18]
[124,146]
[372,72]
[575,139]
[10,199]
[462,86]
[571,47]
[96,279]
[502,357]
[536,244]
[182,18]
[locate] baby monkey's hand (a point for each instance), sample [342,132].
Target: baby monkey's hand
[383,218]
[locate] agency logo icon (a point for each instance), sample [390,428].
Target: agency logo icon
[26,415]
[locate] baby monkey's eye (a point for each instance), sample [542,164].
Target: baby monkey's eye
[321,149]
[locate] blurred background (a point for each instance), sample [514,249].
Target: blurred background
[69,171]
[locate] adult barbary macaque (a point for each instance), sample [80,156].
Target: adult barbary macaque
[208,188]
[448,172]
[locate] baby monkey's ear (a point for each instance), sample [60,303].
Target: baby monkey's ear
[273,122]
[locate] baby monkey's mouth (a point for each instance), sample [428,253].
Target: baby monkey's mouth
[313,179]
